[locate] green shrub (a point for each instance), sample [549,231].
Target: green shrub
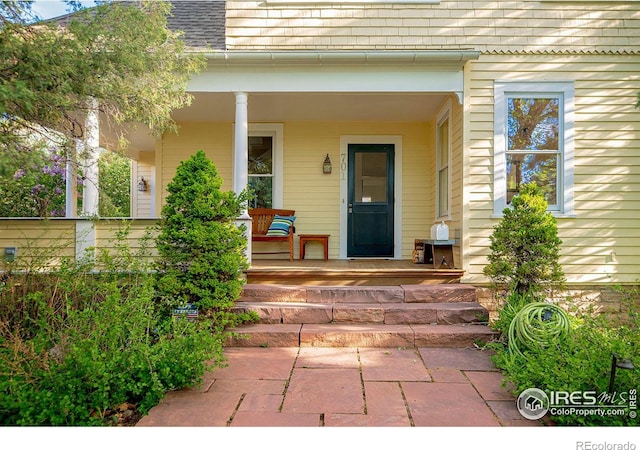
[200,245]
[578,362]
[76,344]
[512,304]
[525,248]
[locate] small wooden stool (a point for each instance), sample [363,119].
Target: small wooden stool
[322,238]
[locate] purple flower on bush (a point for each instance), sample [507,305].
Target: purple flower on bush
[19,174]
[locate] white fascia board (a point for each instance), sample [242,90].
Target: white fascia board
[326,71]
[287,80]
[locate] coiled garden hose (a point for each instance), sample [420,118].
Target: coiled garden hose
[537,325]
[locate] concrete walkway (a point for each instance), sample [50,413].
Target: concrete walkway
[344,387]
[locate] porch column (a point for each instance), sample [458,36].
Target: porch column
[71,183]
[241,161]
[90,158]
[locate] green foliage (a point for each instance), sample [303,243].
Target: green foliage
[201,248]
[74,345]
[579,361]
[114,185]
[525,248]
[32,182]
[121,54]
[512,304]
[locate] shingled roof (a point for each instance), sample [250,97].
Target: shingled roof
[202,21]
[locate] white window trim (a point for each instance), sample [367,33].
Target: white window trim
[275,131]
[566,91]
[444,114]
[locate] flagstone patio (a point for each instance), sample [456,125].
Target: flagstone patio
[338,387]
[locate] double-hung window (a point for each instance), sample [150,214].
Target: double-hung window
[534,142]
[443,163]
[261,171]
[265,165]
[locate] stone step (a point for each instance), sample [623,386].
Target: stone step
[360,335]
[369,313]
[431,293]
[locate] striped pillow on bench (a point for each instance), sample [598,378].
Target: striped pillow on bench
[280,225]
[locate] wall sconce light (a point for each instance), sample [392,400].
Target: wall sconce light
[326,166]
[617,362]
[142,185]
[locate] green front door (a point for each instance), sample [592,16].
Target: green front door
[370,217]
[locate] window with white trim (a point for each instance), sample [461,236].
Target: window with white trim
[443,162]
[261,171]
[533,142]
[265,165]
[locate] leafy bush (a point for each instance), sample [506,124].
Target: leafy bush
[525,248]
[114,173]
[75,345]
[512,304]
[579,361]
[32,181]
[201,247]
[540,345]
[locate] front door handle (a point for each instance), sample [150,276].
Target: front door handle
[350,210]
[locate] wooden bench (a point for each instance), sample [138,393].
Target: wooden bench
[262,218]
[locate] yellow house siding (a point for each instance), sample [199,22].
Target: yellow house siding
[215,139]
[139,231]
[38,241]
[316,196]
[44,243]
[600,244]
[418,184]
[142,201]
[313,195]
[483,25]
[455,225]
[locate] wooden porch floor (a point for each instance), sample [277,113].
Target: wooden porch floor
[367,272]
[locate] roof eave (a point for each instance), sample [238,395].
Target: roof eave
[342,57]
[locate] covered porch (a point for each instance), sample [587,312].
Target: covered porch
[404,108]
